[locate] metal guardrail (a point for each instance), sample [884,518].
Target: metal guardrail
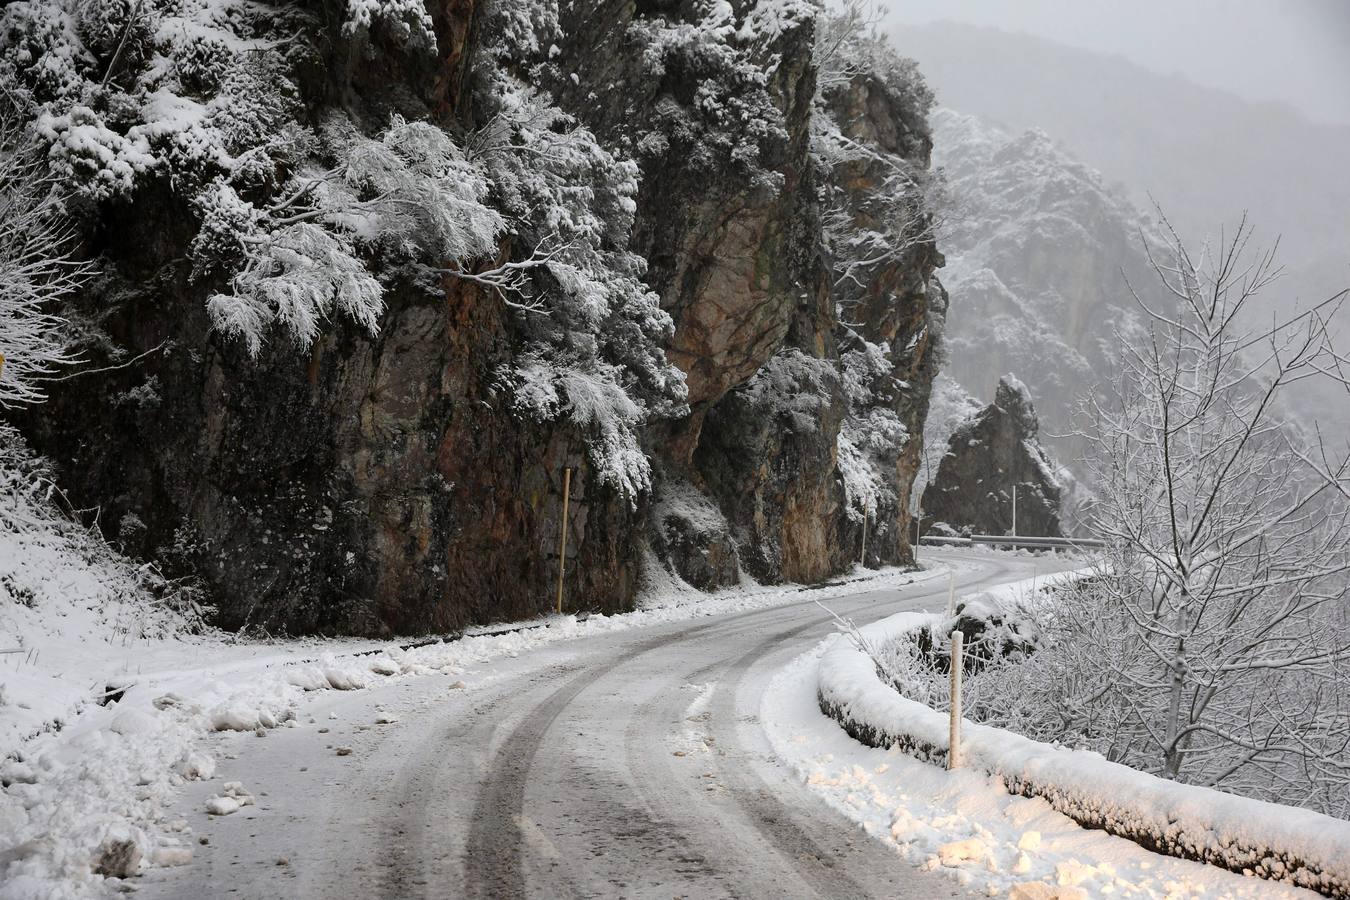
[1017,541]
[942,540]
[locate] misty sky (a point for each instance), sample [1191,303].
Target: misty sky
[1295,51]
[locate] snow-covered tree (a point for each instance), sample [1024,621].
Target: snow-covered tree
[36,267]
[1213,646]
[593,330]
[409,191]
[867,232]
[202,95]
[731,117]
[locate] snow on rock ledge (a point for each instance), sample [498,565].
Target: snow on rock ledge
[1271,841]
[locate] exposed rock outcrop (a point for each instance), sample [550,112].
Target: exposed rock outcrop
[892,318]
[996,451]
[692,536]
[388,481]
[827,431]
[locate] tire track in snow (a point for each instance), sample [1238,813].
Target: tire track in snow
[502,837]
[494,858]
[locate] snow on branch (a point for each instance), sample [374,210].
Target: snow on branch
[409,190]
[1213,644]
[37,269]
[406,19]
[594,332]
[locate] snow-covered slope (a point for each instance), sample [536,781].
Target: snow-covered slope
[67,600]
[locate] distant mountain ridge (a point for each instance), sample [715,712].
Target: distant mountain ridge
[1204,156]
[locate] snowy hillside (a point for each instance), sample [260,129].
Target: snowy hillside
[1039,250]
[67,598]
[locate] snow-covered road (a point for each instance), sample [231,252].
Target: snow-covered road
[626,764]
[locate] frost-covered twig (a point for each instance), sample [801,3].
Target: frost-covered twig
[37,267]
[1209,649]
[511,280]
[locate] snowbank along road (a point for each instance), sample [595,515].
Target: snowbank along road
[628,764]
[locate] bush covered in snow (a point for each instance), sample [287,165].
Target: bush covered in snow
[593,330]
[732,117]
[996,634]
[856,686]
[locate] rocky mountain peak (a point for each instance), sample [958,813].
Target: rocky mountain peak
[992,455]
[1013,398]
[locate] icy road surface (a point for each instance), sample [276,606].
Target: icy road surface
[630,764]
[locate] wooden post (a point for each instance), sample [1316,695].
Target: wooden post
[862,554]
[954,734]
[562,539]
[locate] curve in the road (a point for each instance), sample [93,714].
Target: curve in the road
[493,859]
[498,845]
[580,770]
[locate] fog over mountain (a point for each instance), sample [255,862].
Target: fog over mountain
[1204,156]
[1038,250]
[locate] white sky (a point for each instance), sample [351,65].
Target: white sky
[1295,51]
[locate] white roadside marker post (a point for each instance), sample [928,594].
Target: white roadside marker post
[954,733]
[562,539]
[1014,534]
[951,593]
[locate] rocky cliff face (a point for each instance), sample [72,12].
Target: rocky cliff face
[403,477]
[1041,251]
[994,452]
[820,436]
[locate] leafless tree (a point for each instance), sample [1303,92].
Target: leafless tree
[1216,633]
[1212,645]
[37,268]
[854,21]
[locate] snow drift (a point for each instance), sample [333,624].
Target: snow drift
[1247,836]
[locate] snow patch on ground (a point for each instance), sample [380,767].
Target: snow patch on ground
[695,738]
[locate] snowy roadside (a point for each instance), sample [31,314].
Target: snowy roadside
[965,823]
[89,801]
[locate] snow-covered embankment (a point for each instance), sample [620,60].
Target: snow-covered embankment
[1247,836]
